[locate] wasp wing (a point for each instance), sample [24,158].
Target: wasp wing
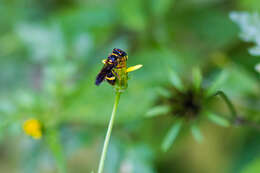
[103,73]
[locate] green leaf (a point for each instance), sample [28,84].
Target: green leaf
[197,78]
[248,23]
[55,145]
[175,80]
[159,8]
[158,110]
[252,167]
[133,14]
[196,133]
[217,83]
[171,136]
[257,67]
[218,119]
[163,92]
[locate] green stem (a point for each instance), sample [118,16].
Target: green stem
[241,121]
[55,145]
[237,120]
[109,130]
[228,102]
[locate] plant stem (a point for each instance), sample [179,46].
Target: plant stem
[236,120]
[54,142]
[108,134]
[228,102]
[242,121]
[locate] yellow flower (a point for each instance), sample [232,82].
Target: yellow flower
[33,128]
[133,68]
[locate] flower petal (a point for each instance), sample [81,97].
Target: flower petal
[32,127]
[133,68]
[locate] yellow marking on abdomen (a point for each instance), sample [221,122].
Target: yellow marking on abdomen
[111,78]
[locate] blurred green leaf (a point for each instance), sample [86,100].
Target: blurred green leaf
[217,83]
[257,68]
[158,110]
[160,8]
[218,119]
[53,139]
[196,133]
[132,14]
[138,159]
[163,92]
[116,151]
[197,78]
[171,136]
[175,80]
[252,167]
[250,26]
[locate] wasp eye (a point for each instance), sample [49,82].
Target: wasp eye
[117,51]
[123,53]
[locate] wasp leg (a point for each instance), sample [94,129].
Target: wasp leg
[115,74]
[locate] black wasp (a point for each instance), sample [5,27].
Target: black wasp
[116,60]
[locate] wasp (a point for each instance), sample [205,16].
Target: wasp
[114,62]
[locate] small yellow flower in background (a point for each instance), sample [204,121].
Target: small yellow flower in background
[133,68]
[33,128]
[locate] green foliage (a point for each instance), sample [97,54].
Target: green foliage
[253,167]
[217,83]
[158,110]
[171,136]
[51,52]
[53,139]
[197,78]
[175,80]
[196,133]
[250,26]
[218,119]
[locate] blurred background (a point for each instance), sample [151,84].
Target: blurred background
[51,52]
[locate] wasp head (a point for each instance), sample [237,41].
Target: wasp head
[119,52]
